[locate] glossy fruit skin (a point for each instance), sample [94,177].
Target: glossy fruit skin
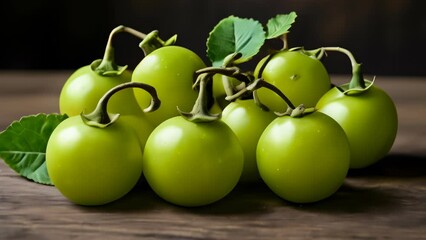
[304,159]
[247,121]
[303,79]
[192,164]
[369,119]
[93,166]
[171,70]
[140,125]
[84,88]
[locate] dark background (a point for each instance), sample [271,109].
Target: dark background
[387,36]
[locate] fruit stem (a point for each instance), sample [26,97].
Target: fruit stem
[284,39]
[200,111]
[357,80]
[259,83]
[101,118]
[228,69]
[107,65]
[152,42]
[233,72]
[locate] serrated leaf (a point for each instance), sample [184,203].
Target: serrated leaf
[280,25]
[23,145]
[235,35]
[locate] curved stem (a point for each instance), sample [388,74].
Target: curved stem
[134,32]
[292,110]
[100,116]
[107,65]
[200,111]
[317,53]
[344,51]
[228,69]
[233,72]
[259,83]
[357,80]
[109,50]
[262,68]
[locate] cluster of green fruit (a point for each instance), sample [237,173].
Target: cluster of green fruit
[198,131]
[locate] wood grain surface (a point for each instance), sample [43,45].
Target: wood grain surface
[384,201]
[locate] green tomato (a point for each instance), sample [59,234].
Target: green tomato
[83,89]
[171,70]
[369,119]
[247,121]
[93,166]
[192,164]
[303,159]
[303,79]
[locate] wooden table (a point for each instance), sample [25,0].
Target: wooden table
[384,201]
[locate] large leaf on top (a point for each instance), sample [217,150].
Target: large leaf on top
[235,35]
[23,145]
[280,25]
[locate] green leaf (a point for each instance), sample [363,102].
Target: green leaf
[235,35]
[23,145]
[280,25]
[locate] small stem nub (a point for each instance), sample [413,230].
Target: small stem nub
[101,118]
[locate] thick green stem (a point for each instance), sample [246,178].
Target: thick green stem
[107,65]
[357,80]
[100,116]
[200,111]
